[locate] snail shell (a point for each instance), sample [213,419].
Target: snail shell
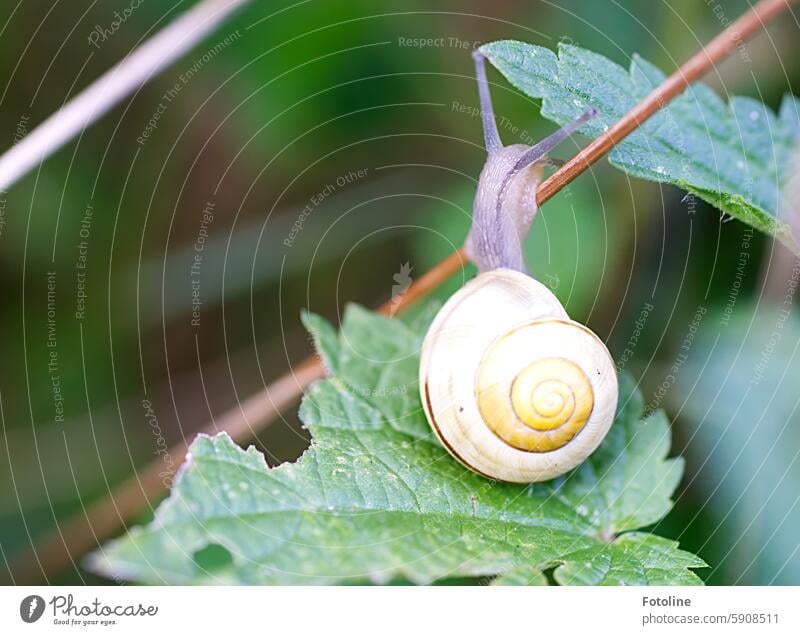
[514,389]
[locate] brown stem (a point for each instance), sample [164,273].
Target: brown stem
[427,283]
[697,66]
[104,518]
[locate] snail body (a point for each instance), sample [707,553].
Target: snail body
[513,388]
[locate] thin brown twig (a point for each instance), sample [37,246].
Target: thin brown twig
[698,65]
[104,518]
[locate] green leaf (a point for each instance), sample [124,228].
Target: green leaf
[738,156]
[376,498]
[521,576]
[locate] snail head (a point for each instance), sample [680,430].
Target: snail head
[505,201]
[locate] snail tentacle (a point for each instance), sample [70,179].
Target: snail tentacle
[490,134]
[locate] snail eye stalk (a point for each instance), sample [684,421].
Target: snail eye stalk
[540,150]
[490,135]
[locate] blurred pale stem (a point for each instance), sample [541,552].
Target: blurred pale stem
[123,79]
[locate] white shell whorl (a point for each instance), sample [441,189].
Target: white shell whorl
[498,325]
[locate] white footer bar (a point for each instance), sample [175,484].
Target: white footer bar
[389,610]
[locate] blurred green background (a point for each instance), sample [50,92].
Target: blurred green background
[313,148]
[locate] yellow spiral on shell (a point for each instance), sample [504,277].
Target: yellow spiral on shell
[540,408]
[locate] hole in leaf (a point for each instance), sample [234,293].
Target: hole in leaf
[550,576]
[212,557]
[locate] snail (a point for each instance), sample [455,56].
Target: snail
[514,389]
